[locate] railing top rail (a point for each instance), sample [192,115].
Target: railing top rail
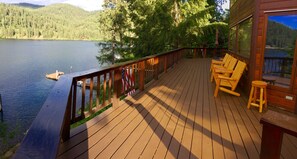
[92,72]
[281,58]
[44,135]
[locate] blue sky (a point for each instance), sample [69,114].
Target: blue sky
[288,20]
[89,5]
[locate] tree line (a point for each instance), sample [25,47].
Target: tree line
[129,28]
[140,28]
[59,21]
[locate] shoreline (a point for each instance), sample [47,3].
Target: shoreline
[42,39]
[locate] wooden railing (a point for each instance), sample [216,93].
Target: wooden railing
[79,95]
[278,66]
[275,124]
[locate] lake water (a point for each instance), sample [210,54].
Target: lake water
[23,86]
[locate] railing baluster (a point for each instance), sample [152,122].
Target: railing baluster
[141,75]
[165,63]
[104,90]
[156,68]
[74,100]
[109,86]
[91,95]
[83,98]
[98,92]
[133,75]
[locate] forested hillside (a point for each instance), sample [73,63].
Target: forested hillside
[58,21]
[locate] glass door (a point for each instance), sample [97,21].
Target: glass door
[281,34]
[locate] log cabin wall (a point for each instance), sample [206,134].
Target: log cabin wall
[276,96]
[241,10]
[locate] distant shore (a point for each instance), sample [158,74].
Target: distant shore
[47,39]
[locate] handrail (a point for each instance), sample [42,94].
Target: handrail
[105,86]
[278,65]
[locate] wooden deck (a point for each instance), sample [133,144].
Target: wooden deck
[175,117]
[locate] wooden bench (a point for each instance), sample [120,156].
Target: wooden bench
[275,124]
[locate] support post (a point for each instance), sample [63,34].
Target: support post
[117,87]
[141,75]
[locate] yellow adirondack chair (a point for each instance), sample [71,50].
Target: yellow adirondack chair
[220,62]
[228,84]
[224,70]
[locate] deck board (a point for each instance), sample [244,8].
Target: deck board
[175,117]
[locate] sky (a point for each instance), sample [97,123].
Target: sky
[288,20]
[88,5]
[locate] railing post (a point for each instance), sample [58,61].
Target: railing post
[195,53]
[117,87]
[91,96]
[141,75]
[67,119]
[156,68]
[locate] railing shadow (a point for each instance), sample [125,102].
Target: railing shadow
[196,125]
[163,131]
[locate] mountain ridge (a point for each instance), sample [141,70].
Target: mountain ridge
[28,5]
[57,21]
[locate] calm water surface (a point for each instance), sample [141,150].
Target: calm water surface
[23,65]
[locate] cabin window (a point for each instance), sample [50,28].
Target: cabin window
[244,38]
[232,39]
[280,46]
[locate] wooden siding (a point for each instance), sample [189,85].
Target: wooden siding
[276,96]
[175,117]
[240,10]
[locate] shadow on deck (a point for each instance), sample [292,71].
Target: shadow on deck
[175,117]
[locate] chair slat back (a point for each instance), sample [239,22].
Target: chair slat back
[226,57]
[226,63]
[237,73]
[232,63]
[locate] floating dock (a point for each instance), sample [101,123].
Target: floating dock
[54,76]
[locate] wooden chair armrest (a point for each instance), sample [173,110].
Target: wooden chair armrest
[226,78]
[217,62]
[222,70]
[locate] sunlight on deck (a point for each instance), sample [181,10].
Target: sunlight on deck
[175,117]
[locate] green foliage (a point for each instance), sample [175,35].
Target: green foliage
[117,24]
[140,28]
[58,21]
